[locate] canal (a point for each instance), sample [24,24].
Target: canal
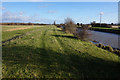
[105,38]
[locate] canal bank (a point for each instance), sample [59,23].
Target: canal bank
[116,31]
[104,38]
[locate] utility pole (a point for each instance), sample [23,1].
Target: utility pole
[101,13]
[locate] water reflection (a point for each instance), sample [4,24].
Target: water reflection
[106,38]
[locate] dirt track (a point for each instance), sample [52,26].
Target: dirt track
[18,29]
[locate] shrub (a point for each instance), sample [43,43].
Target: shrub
[101,46]
[109,48]
[116,52]
[83,33]
[78,24]
[70,26]
[58,25]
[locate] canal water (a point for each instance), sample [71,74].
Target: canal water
[106,38]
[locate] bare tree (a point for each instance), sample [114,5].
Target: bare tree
[54,23]
[83,33]
[70,26]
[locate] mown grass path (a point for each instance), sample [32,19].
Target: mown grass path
[48,52]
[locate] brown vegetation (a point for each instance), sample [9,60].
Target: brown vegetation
[70,26]
[83,33]
[109,48]
[18,29]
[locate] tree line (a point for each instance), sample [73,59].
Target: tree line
[23,24]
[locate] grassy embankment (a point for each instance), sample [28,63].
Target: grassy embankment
[9,34]
[105,28]
[48,52]
[109,30]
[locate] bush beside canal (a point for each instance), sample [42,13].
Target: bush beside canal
[69,27]
[109,48]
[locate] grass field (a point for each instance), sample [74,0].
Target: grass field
[105,28]
[48,52]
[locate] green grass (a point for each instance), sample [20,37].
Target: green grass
[105,28]
[50,53]
[10,34]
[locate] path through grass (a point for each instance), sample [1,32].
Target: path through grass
[48,52]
